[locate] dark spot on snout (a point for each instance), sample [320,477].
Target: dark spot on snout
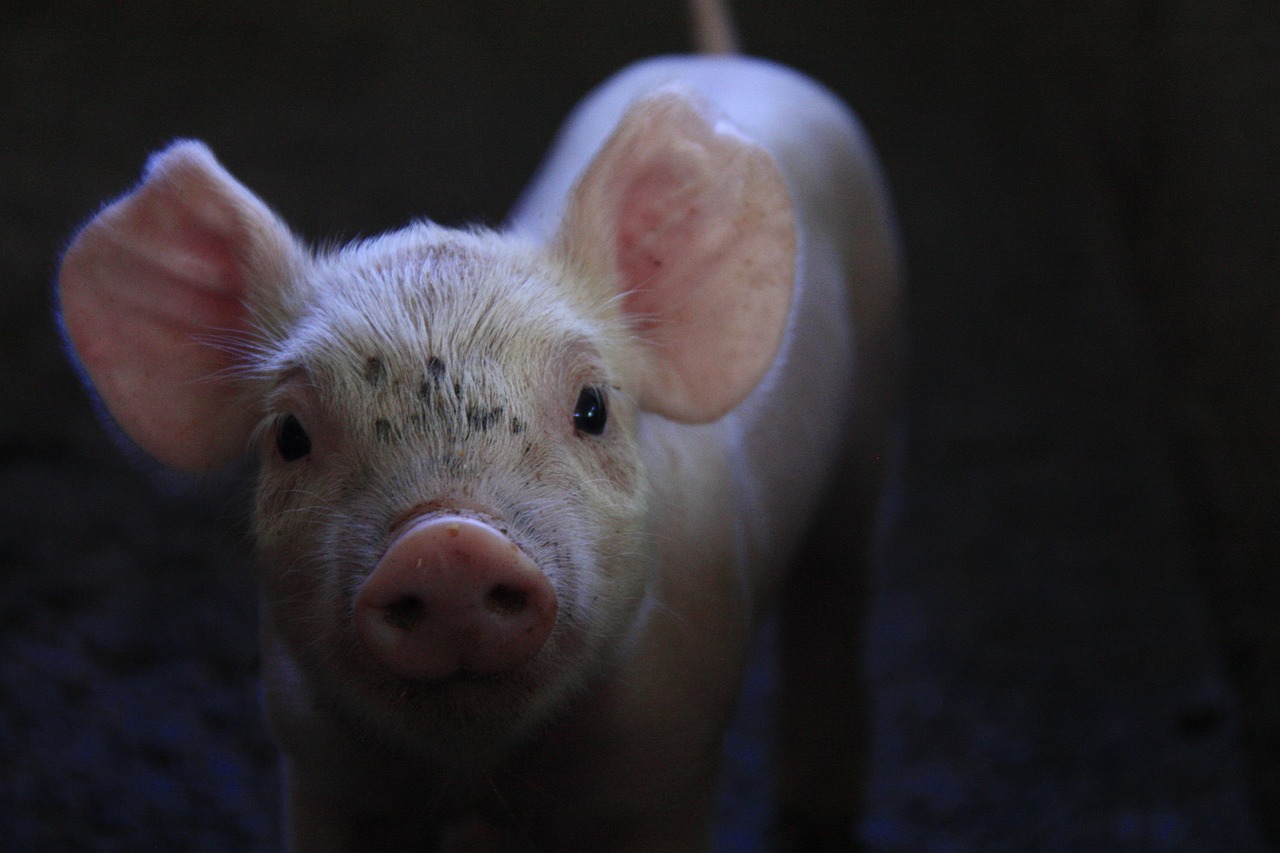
[517,425]
[374,370]
[382,429]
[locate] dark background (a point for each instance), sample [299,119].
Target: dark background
[1075,624]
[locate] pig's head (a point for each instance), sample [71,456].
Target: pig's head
[451,515]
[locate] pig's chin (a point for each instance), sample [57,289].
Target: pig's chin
[462,714]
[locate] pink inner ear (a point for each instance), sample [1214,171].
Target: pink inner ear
[658,232]
[177,272]
[153,295]
[698,224]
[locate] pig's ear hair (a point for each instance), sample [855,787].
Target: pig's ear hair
[153,295]
[696,225]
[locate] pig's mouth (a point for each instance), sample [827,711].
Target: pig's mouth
[464,713]
[466,677]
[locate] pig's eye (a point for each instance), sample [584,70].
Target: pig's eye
[589,415]
[292,440]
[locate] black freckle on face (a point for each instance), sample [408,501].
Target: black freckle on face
[517,425]
[382,429]
[374,370]
[481,419]
[430,389]
[457,390]
[427,393]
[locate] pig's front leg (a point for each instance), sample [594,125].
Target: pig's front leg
[823,717]
[602,811]
[603,781]
[324,824]
[317,824]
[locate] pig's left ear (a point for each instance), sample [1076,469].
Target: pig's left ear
[695,223]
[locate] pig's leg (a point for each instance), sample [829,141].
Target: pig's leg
[823,719]
[314,825]
[322,825]
[364,811]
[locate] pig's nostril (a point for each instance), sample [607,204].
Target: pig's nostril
[405,612]
[504,600]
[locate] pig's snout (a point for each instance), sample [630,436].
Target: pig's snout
[453,595]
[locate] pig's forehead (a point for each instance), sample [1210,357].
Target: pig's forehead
[430,295]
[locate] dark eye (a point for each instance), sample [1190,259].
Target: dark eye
[589,415]
[292,440]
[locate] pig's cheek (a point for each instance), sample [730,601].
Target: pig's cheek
[612,487]
[300,579]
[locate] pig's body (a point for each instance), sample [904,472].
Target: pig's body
[779,447]
[659,545]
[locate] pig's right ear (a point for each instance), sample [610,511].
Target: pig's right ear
[154,296]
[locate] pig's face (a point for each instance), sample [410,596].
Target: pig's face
[436,372]
[451,515]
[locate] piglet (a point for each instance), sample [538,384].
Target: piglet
[524,495]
